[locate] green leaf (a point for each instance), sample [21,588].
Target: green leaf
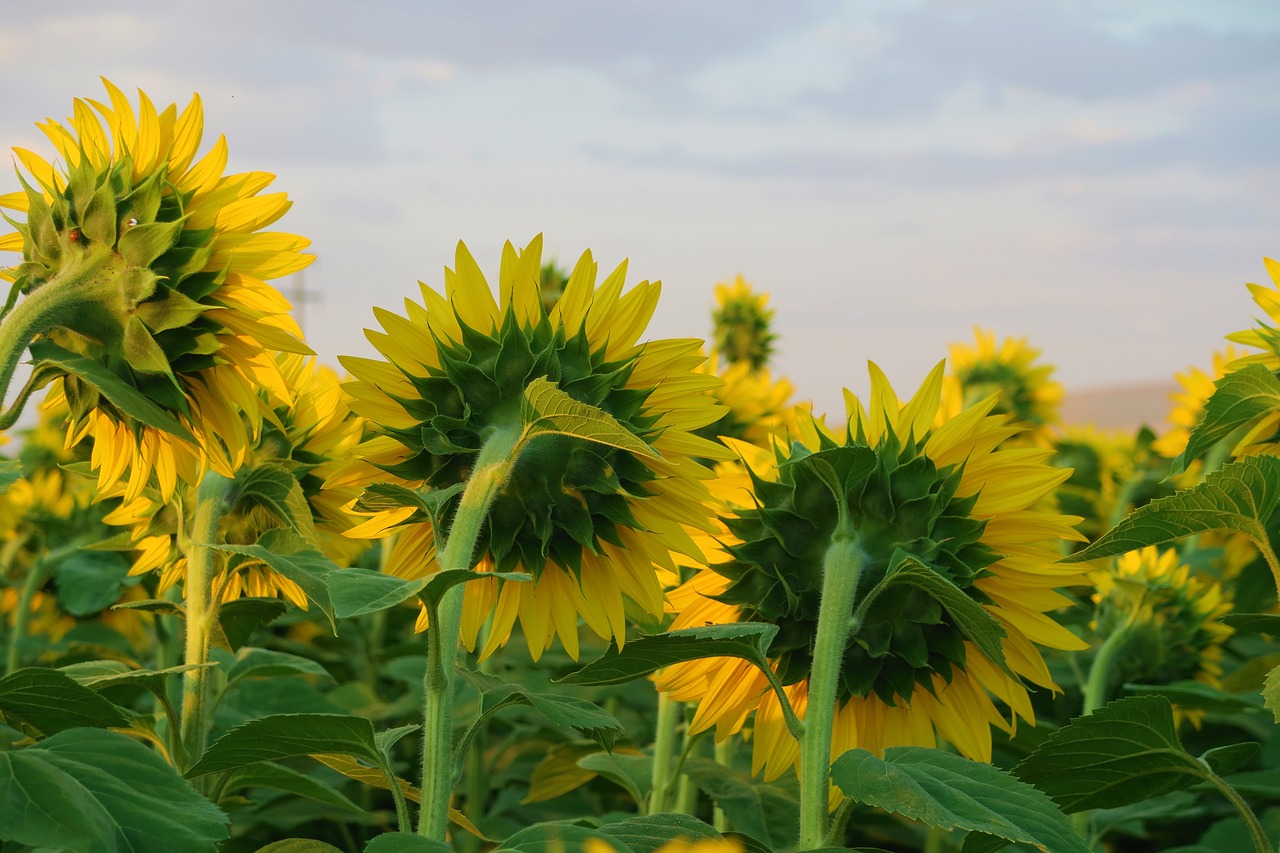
[241,617]
[90,581]
[632,772]
[50,701]
[439,583]
[404,842]
[10,473]
[951,792]
[154,605]
[289,736]
[1123,753]
[1241,496]
[274,488]
[1256,623]
[546,409]
[142,244]
[1237,398]
[971,618]
[122,395]
[356,592]
[1271,692]
[559,838]
[299,845]
[640,657]
[101,674]
[762,811]
[1193,694]
[100,792]
[578,714]
[281,778]
[287,554]
[250,662]
[1228,759]
[648,833]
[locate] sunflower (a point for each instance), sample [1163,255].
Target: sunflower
[947,493]
[757,406]
[678,845]
[742,324]
[1261,434]
[1188,404]
[310,439]
[588,522]
[153,264]
[1173,619]
[1027,393]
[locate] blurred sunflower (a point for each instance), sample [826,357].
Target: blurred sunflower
[741,323]
[1188,404]
[757,407]
[1261,436]
[308,440]
[153,265]
[587,521]
[950,495]
[1027,393]
[678,845]
[1172,620]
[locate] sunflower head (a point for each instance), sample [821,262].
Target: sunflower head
[742,321]
[1188,403]
[1009,369]
[1174,617]
[757,406]
[586,519]
[152,264]
[945,499]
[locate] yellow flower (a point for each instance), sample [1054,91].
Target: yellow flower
[758,407]
[679,845]
[1027,393]
[954,497]
[156,264]
[742,321]
[310,439]
[587,521]
[1175,617]
[1261,435]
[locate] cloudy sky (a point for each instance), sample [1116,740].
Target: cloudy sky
[1101,177]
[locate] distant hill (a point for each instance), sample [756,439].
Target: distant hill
[1120,407]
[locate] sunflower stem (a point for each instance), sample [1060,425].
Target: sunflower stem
[841,568]
[725,752]
[670,715]
[492,468]
[1095,688]
[1261,843]
[22,615]
[50,305]
[213,500]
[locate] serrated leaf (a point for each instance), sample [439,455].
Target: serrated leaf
[582,716]
[51,701]
[762,811]
[648,833]
[275,488]
[546,409]
[122,395]
[404,842]
[971,618]
[265,663]
[280,778]
[289,736]
[90,581]
[100,792]
[1123,753]
[1241,496]
[951,792]
[1237,399]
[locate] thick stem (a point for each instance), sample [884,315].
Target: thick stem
[670,715]
[1095,689]
[212,502]
[52,304]
[725,751]
[841,568]
[1261,843]
[492,469]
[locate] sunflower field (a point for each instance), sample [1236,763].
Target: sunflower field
[531,580]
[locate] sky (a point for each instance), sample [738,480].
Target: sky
[1099,177]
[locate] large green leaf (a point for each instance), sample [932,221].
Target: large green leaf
[1193,694]
[90,581]
[546,409]
[404,842]
[578,714]
[762,811]
[1237,399]
[50,702]
[1123,753]
[648,833]
[101,674]
[356,592]
[559,838]
[266,774]
[951,792]
[299,845]
[1241,496]
[101,792]
[250,662]
[633,772]
[241,617]
[288,555]
[122,395]
[289,736]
